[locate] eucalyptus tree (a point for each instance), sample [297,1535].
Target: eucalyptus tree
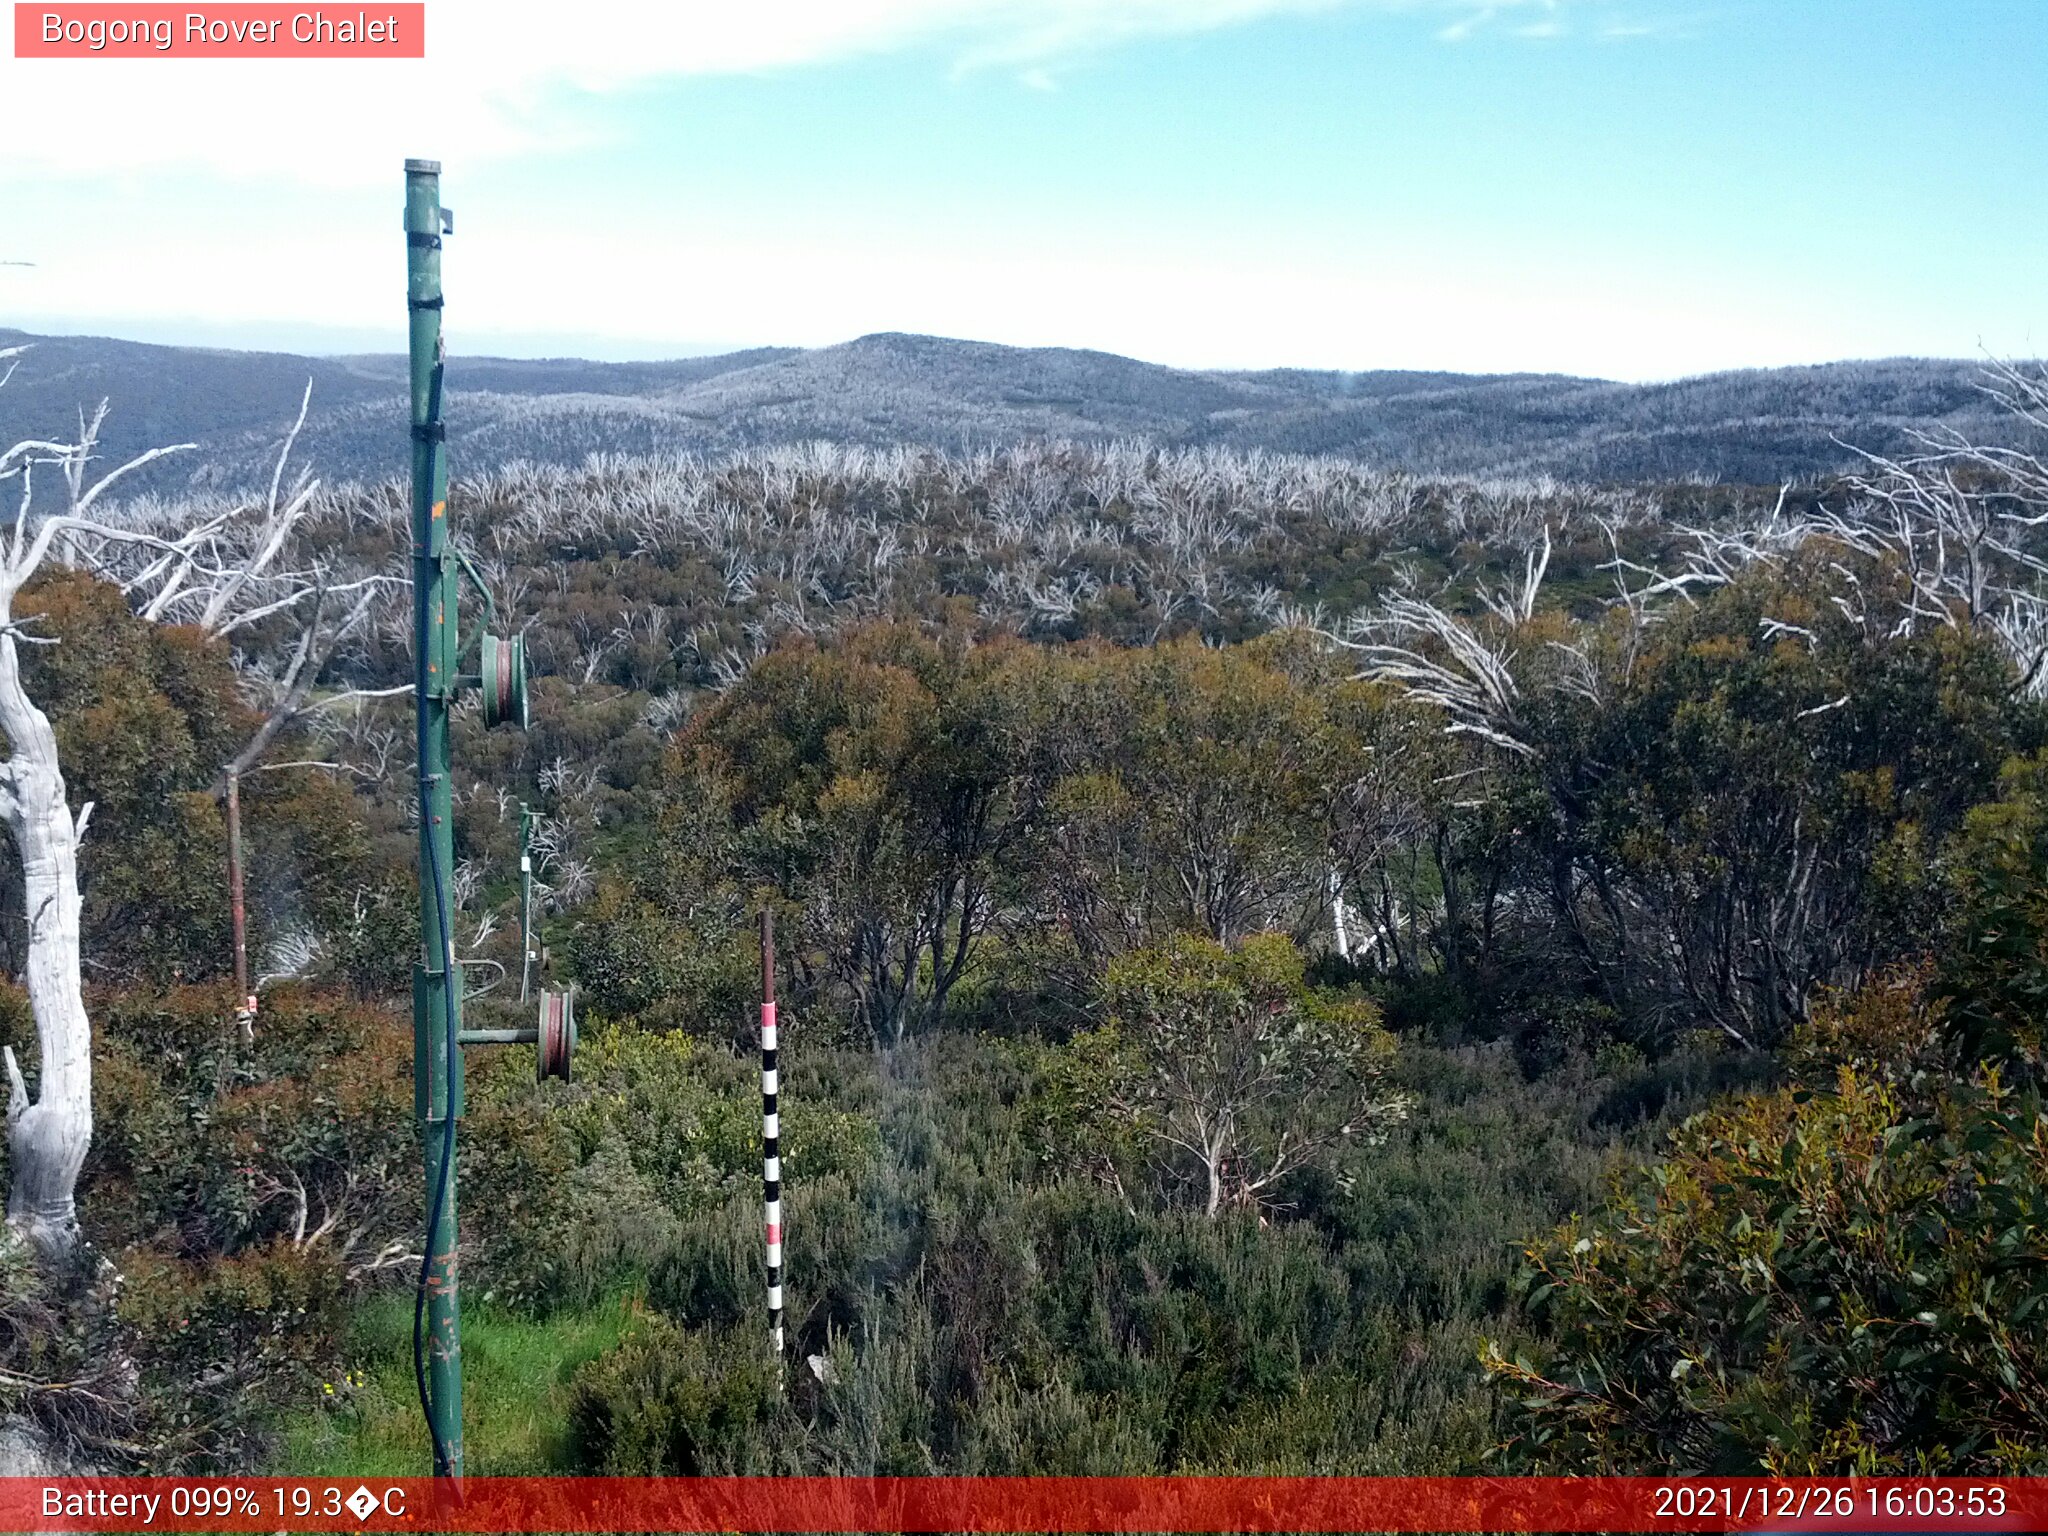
[879,786]
[1226,1065]
[1745,766]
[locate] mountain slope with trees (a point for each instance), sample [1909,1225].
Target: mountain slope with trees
[1286,967]
[1758,427]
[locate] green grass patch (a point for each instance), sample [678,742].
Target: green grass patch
[516,1374]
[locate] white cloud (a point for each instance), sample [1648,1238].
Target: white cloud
[1625,20]
[1465,26]
[671,286]
[509,77]
[179,169]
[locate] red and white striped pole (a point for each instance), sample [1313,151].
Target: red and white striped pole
[771,1139]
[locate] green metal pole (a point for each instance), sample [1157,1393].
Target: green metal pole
[437,983]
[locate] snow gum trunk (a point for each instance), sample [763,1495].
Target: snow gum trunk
[47,1137]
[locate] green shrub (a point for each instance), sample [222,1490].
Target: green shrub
[671,1402]
[609,1179]
[1993,970]
[635,961]
[202,1147]
[223,1340]
[1846,1276]
[1226,1069]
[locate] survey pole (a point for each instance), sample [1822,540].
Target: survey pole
[529,946]
[771,1140]
[437,983]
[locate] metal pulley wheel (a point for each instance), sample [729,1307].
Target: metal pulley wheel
[503,665]
[557,1035]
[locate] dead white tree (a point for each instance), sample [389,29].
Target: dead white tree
[265,583]
[1464,668]
[224,570]
[1959,526]
[228,570]
[1948,536]
[48,1136]
[1963,523]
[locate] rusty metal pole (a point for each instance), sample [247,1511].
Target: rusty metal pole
[245,997]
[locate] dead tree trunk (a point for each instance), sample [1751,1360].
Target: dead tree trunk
[47,1137]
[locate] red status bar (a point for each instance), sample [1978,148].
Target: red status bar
[840,1504]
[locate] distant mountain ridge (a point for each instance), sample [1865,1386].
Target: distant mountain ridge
[1755,427]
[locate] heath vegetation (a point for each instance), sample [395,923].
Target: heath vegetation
[1286,967]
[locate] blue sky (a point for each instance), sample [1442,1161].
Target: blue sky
[1628,188]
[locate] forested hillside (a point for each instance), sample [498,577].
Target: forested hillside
[1759,428]
[1288,964]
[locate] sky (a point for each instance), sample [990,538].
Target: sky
[1631,189]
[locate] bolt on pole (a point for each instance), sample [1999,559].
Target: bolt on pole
[437,981]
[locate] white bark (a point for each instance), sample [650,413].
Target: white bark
[47,1137]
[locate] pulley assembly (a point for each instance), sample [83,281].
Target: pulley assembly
[552,1035]
[502,678]
[556,1041]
